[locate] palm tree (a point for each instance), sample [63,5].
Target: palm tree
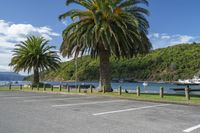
[104,28]
[34,55]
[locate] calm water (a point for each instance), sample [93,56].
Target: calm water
[152,87]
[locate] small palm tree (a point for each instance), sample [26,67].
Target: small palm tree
[34,55]
[104,28]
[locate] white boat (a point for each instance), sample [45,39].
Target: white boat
[145,84]
[194,80]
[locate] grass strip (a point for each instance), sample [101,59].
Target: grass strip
[172,98]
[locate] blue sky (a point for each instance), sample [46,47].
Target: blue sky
[175,16]
[171,22]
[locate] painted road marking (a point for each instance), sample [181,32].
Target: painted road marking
[191,129]
[21,97]
[89,103]
[130,109]
[55,99]
[5,95]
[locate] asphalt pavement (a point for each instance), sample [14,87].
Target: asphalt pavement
[32,112]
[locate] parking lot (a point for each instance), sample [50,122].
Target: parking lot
[32,112]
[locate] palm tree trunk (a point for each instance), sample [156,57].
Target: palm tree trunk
[36,79]
[105,70]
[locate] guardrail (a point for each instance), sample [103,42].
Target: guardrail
[90,88]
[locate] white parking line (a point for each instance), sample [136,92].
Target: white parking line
[21,97]
[191,129]
[55,99]
[5,95]
[89,103]
[131,109]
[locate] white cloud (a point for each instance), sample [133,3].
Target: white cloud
[3,68]
[186,38]
[18,32]
[160,40]
[165,37]
[11,33]
[156,35]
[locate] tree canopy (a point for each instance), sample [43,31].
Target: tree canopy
[118,26]
[34,54]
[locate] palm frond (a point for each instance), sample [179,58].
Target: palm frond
[117,26]
[34,53]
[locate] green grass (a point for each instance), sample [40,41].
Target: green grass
[144,97]
[156,97]
[36,89]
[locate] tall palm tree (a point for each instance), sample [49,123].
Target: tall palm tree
[35,55]
[104,28]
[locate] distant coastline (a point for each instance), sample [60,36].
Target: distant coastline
[10,76]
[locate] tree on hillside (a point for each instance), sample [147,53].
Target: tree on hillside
[35,55]
[104,28]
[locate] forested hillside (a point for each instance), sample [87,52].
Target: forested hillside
[167,64]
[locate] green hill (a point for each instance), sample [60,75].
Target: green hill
[168,64]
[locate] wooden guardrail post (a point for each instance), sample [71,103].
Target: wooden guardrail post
[187,95]
[60,87]
[79,89]
[138,91]
[20,87]
[10,86]
[68,88]
[51,87]
[44,87]
[38,87]
[161,92]
[91,89]
[104,89]
[120,90]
